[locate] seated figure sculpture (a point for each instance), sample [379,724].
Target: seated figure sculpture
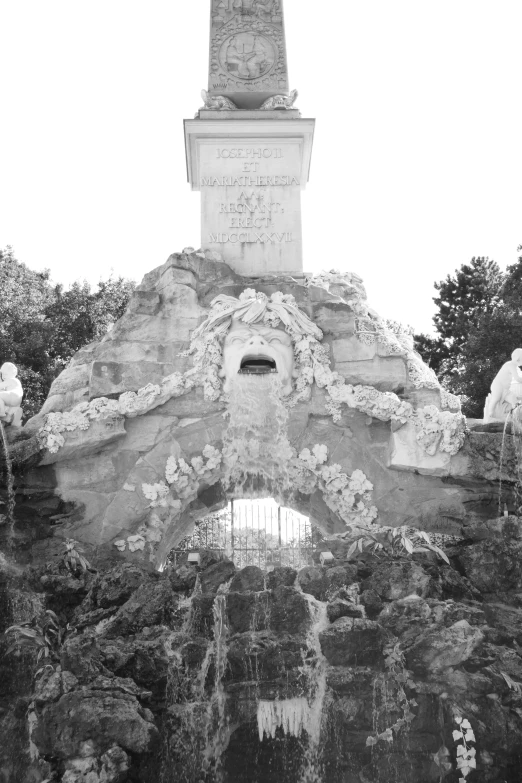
[506,389]
[11,394]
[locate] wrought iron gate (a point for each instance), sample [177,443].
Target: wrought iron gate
[254,532]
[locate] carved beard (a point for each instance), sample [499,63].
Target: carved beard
[256,349]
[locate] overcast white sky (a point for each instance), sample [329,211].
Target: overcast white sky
[417,161]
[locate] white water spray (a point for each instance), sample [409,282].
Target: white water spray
[255,443]
[303,714]
[9,487]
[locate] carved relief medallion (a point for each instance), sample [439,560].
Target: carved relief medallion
[247,55]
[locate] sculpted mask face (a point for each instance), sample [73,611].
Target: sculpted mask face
[257,348]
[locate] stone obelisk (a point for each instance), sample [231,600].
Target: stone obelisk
[248,149]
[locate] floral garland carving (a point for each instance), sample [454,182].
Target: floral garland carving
[312,363]
[392,337]
[439,430]
[348,496]
[181,483]
[129,404]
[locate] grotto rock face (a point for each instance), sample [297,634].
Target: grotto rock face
[106,463]
[152,673]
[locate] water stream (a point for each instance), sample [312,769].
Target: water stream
[256,450]
[315,666]
[10,488]
[302,716]
[199,733]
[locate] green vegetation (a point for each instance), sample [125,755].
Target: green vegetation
[42,324]
[478,325]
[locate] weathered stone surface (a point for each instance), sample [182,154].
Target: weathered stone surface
[477,529]
[334,318]
[115,587]
[341,608]
[108,378]
[313,580]
[289,612]
[407,617]
[351,349]
[353,642]
[97,717]
[371,602]
[250,578]
[444,647]
[340,576]
[493,566]
[248,611]
[386,374]
[213,576]
[144,660]
[101,433]
[183,579]
[406,453]
[398,580]
[281,575]
[152,604]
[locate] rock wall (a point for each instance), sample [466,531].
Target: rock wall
[386,654]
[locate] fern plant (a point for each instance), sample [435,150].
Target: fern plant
[43,634]
[73,559]
[394,541]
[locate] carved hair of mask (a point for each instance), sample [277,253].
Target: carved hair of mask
[256,349]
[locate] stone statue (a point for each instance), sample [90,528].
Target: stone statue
[280,101]
[11,394]
[217,102]
[257,349]
[506,389]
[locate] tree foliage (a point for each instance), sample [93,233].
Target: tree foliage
[42,324]
[478,324]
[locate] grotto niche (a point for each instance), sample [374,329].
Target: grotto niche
[233,375]
[364,664]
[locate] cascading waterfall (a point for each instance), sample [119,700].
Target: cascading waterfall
[291,715]
[217,725]
[255,444]
[314,666]
[201,735]
[303,715]
[514,418]
[10,488]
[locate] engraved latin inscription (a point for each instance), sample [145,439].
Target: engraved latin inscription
[255,205]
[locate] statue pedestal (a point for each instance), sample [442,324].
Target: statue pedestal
[250,171]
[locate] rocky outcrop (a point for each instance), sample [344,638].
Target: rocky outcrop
[148,678]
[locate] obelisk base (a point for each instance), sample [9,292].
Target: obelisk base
[250,172]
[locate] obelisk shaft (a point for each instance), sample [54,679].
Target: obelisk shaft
[247,51]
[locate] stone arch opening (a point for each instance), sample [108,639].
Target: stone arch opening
[257,532]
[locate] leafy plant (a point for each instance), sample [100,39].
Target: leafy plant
[43,634]
[73,560]
[465,754]
[512,684]
[394,541]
